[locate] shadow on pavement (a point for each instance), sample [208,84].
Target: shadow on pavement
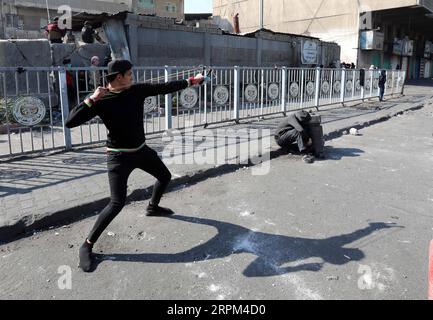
[419,82]
[40,172]
[272,251]
[339,153]
[330,152]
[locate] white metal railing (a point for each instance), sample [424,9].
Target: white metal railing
[34,102]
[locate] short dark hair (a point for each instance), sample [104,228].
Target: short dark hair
[117,67]
[110,78]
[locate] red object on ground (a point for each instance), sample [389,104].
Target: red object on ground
[430,273]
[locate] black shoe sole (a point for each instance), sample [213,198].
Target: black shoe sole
[158,214]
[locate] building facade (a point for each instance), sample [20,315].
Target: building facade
[25,19]
[161,8]
[386,33]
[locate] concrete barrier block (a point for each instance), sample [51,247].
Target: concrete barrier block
[25,53]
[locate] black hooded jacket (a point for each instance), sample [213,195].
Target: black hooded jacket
[298,121]
[382,79]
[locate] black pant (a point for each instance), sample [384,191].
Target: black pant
[120,166]
[381,93]
[290,137]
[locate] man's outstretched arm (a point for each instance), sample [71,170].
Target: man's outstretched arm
[85,111]
[149,90]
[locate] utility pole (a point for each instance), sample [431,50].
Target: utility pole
[3,22]
[358,24]
[260,14]
[48,12]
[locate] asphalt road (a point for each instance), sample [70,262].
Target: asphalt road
[354,226]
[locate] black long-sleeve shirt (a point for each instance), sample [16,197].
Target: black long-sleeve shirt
[122,113]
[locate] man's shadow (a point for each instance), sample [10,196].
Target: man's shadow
[330,153]
[339,153]
[272,251]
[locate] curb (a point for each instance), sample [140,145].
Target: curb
[21,229]
[340,132]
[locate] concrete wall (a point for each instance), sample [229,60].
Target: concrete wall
[37,53]
[158,41]
[80,55]
[26,53]
[23,53]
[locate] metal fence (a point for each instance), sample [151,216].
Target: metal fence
[34,102]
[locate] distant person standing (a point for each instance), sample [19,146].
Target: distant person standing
[382,81]
[88,34]
[53,32]
[70,84]
[95,75]
[107,60]
[70,37]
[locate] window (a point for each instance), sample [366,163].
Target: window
[12,20]
[170,7]
[146,4]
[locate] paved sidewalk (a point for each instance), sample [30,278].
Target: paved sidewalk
[41,192]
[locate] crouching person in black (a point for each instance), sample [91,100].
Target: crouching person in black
[294,132]
[120,106]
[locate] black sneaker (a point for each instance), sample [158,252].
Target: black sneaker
[157,211]
[86,257]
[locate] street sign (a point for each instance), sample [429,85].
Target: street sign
[309,52]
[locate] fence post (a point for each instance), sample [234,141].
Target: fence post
[168,102]
[378,86]
[283,90]
[262,80]
[343,85]
[398,81]
[204,121]
[64,103]
[236,94]
[302,86]
[403,81]
[317,96]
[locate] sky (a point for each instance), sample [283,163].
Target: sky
[198,6]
